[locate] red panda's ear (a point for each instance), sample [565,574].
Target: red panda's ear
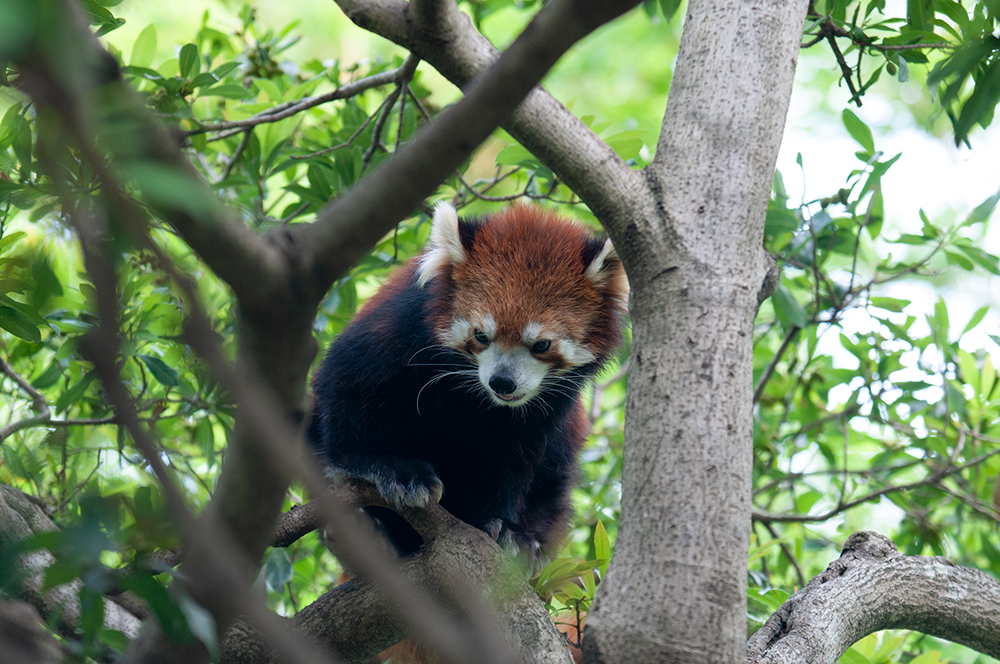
[604,262]
[605,271]
[445,245]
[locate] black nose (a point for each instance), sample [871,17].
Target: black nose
[502,385]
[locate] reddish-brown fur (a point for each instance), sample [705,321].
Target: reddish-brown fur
[522,284]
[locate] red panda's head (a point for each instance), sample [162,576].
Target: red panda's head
[527,295]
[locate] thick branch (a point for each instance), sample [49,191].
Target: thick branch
[20,519]
[872,587]
[357,621]
[445,37]
[355,222]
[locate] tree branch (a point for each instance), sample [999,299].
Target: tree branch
[347,228]
[20,519]
[950,468]
[873,587]
[438,32]
[66,85]
[356,620]
[44,417]
[286,110]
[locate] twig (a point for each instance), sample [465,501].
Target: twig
[288,109]
[346,143]
[405,73]
[845,69]
[788,554]
[595,399]
[44,417]
[236,155]
[933,478]
[383,117]
[769,371]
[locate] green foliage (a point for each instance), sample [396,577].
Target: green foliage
[868,406]
[867,409]
[961,39]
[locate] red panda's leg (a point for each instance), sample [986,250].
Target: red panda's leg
[403,482]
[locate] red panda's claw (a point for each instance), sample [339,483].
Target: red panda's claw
[414,494]
[493,528]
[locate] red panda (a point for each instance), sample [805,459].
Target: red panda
[459,380]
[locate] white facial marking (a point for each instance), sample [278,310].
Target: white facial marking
[575,354]
[531,332]
[457,334]
[488,326]
[445,246]
[517,366]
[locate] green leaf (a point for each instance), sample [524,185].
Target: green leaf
[988,262]
[983,211]
[9,125]
[959,260]
[979,107]
[940,324]
[171,188]
[223,70]
[189,61]
[915,14]
[858,130]
[203,79]
[205,435]
[515,155]
[788,309]
[97,14]
[669,8]
[92,613]
[602,546]
[279,570]
[48,377]
[627,147]
[10,238]
[228,91]
[202,625]
[19,325]
[977,318]
[73,394]
[890,303]
[22,146]
[969,370]
[987,378]
[144,47]
[164,374]
[169,616]
[852,656]
[929,657]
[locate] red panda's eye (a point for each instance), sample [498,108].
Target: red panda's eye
[541,346]
[481,337]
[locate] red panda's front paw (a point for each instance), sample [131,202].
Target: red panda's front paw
[401,482]
[409,487]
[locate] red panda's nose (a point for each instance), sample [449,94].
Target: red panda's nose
[502,385]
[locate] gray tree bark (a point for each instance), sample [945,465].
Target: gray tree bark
[872,587]
[696,265]
[20,519]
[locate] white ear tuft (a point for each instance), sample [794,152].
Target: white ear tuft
[596,268]
[606,272]
[445,246]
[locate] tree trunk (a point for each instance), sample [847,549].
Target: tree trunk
[676,590]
